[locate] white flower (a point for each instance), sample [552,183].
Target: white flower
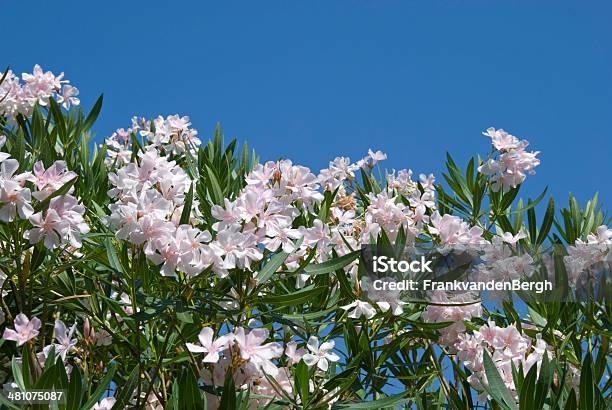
[15,199]
[68,96]
[320,355]
[210,346]
[105,404]
[512,239]
[360,308]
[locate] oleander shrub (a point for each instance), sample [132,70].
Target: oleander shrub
[163,268]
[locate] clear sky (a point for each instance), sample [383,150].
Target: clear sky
[311,80]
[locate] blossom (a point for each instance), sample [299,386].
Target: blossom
[509,338]
[501,140]
[280,237]
[318,235]
[252,349]
[37,87]
[320,354]
[50,180]
[511,239]
[452,230]
[50,228]
[15,200]
[68,96]
[372,159]
[227,216]
[104,404]
[402,182]
[237,249]
[451,307]
[64,339]
[509,170]
[294,353]
[339,170]
[385,299]
[211,347]
[25,329]
[360,308]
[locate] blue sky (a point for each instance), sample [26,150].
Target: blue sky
[314,80]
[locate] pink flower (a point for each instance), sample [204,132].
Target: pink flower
[25,329]
[50,228]
[318,235]
[502,141]
[509,338]
[252,349]
[293,353]
[228,216]
[50,180]
[64,339]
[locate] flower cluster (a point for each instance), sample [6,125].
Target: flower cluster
[37,88]
[454,308]
[453,231]
[508,171]
[584,255]
[250,358]
[150,195]
[61,222]
[506,346]
[172,135]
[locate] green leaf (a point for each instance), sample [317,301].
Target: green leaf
[587,387]
[571,403]
[190,395]
[228,398]
[527,390]
[394,400]
[75,389]
[332,265]
[217,192]
[187,206]
[126,390]
[4,401]
[63,190]
[97,394]
[113,259]
[18,374]
[543,384]
[497,388]
[294,298]
[93,114]
[270,267]
[301,379]
[367,185]
[549,216]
